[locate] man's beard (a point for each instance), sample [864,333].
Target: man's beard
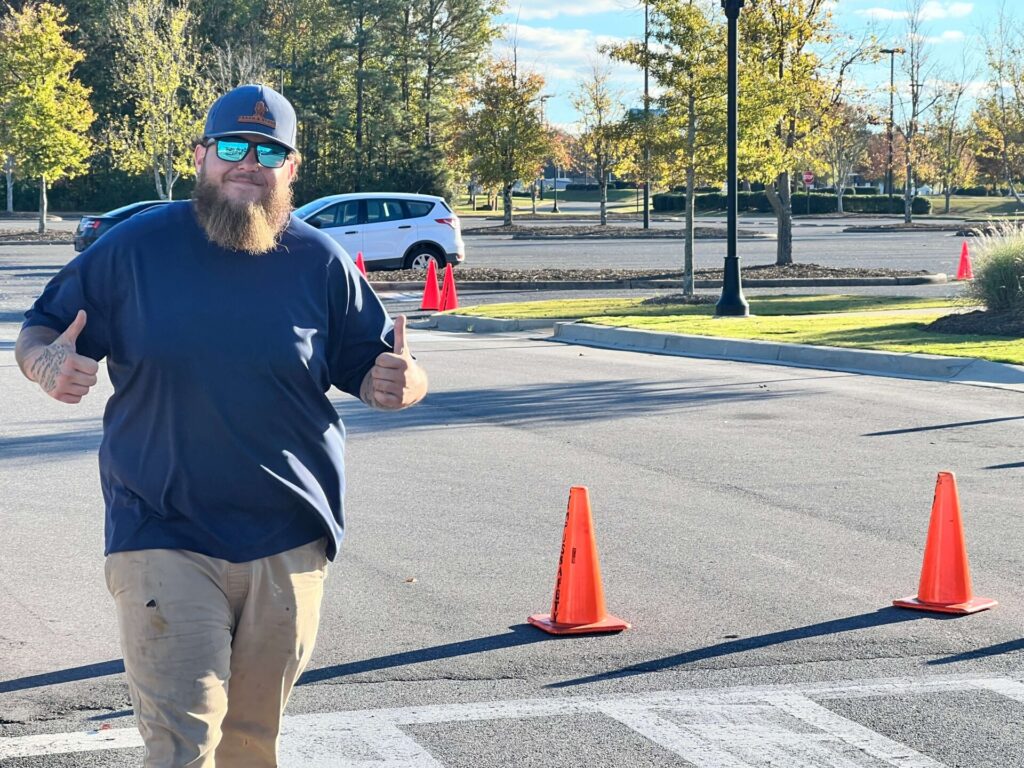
[253,227]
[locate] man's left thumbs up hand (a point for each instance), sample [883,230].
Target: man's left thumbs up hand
[396,381]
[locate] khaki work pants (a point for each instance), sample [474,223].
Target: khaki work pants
[213,648]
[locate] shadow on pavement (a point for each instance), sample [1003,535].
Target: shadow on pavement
[953,425]
[1011,465]
[51,444]
[878,618]
[519,634]
[86,672]
[554,403]
[982,653]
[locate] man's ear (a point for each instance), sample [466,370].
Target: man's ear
[199,155]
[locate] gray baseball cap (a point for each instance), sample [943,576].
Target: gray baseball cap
[257,111]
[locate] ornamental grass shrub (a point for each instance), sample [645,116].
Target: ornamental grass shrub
[999,271]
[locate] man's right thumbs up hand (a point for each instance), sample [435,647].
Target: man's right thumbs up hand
[62,373]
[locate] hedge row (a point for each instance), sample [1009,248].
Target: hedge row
[595,187]
[758,202]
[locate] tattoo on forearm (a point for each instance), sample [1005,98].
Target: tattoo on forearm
[47,366]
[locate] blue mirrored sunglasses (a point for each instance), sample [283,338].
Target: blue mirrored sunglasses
[233,150]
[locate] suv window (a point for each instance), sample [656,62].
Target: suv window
[324,218]
[418,208]
[378,210]
[337,215]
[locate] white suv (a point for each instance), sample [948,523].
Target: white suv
[392,230]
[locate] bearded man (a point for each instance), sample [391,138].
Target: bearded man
[224,321]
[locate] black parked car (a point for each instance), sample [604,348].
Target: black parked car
[91,227]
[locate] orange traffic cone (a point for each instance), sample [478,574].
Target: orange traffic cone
[578,605]
[449,296]
[431,299]
[360,264]
[964,271]
[945,576]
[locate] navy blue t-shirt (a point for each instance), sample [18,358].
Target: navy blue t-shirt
[219,437]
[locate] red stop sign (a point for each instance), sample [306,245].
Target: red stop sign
[808,177]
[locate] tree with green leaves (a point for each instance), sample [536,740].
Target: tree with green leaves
[505,132]
[845,146]
[792,76]
[603,141]
[689,65]
[44,109]
[950,137]
[159,75]
[1000,112]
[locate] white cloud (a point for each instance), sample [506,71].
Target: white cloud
[931,10]
[949,36]
[527,10]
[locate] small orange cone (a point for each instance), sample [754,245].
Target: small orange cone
[360,264]
[449,296]
[431,299]
[964,271]
[578,605]
[945,576]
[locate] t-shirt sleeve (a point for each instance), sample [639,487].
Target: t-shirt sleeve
[81,284]
[360,328]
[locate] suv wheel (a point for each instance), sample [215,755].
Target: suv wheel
[420,256]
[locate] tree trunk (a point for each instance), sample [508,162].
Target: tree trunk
[908,196]
[691,199]
[42,205]
[604,193]
[533,198]
[360,63]
[839,199]
[949,193]
[9,172]
[506,201]
[781,199]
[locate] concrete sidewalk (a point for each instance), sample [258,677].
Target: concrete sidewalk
[957,370]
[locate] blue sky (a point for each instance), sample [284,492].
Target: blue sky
[558,38]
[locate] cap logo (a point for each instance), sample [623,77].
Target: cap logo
[259,116]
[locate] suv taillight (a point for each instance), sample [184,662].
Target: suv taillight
[95,223]
[451,221]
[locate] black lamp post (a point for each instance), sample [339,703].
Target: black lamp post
[892,88]
[732,303]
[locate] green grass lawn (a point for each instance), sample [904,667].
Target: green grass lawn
[970,206]
[575,309]
[890,323]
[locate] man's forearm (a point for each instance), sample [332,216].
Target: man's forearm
[31,341]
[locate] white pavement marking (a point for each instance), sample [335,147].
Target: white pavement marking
[743,727]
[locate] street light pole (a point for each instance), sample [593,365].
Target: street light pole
[892,116]
[647,117]
[732,303]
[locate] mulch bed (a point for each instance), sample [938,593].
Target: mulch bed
[758,271]
[29,236]
[981,322]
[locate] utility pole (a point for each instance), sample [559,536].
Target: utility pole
[647,116]
[892,116]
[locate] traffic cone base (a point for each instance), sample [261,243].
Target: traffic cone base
[973,605]
[608,624]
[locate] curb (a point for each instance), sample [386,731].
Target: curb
[575,285]
[962,370]
[958,370]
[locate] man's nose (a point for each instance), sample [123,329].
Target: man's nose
[249,162]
